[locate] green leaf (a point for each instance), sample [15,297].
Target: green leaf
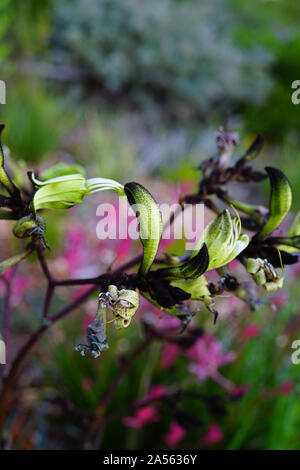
[280,201]
[150,222]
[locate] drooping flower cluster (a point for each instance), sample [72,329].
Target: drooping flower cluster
[175,282]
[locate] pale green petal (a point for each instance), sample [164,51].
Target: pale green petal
[240,246]
[223,240]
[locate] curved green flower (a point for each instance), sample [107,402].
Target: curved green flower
[65,191]
[150,221]
[223,239]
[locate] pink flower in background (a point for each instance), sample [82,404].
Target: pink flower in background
[213,435]
[156,391]
[145,415]
[207,355]
[175,434]
[21,284]
[146,307]
[169,355]
[87,321]
[9,273]
[280,299]
[185,187]
[75,254]
[168,322]
[294,271]
[78,291]
[234,265]
[87,384]
[165,243]
[240,390]
[250,331]
[285,388]
[123,249]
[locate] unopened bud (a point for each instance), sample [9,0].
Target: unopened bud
[28,226]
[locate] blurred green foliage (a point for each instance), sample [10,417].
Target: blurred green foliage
[175,59]
[102,146]
[275,27]
[31,26]
[178,54]
[34,122]
[6,15]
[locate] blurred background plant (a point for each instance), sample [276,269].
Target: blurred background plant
[138,88]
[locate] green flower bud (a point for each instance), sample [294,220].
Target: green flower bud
[28,226]
[5,180]
[280,201]
[260,277]
[253,265]
[273,286]
[150,222]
